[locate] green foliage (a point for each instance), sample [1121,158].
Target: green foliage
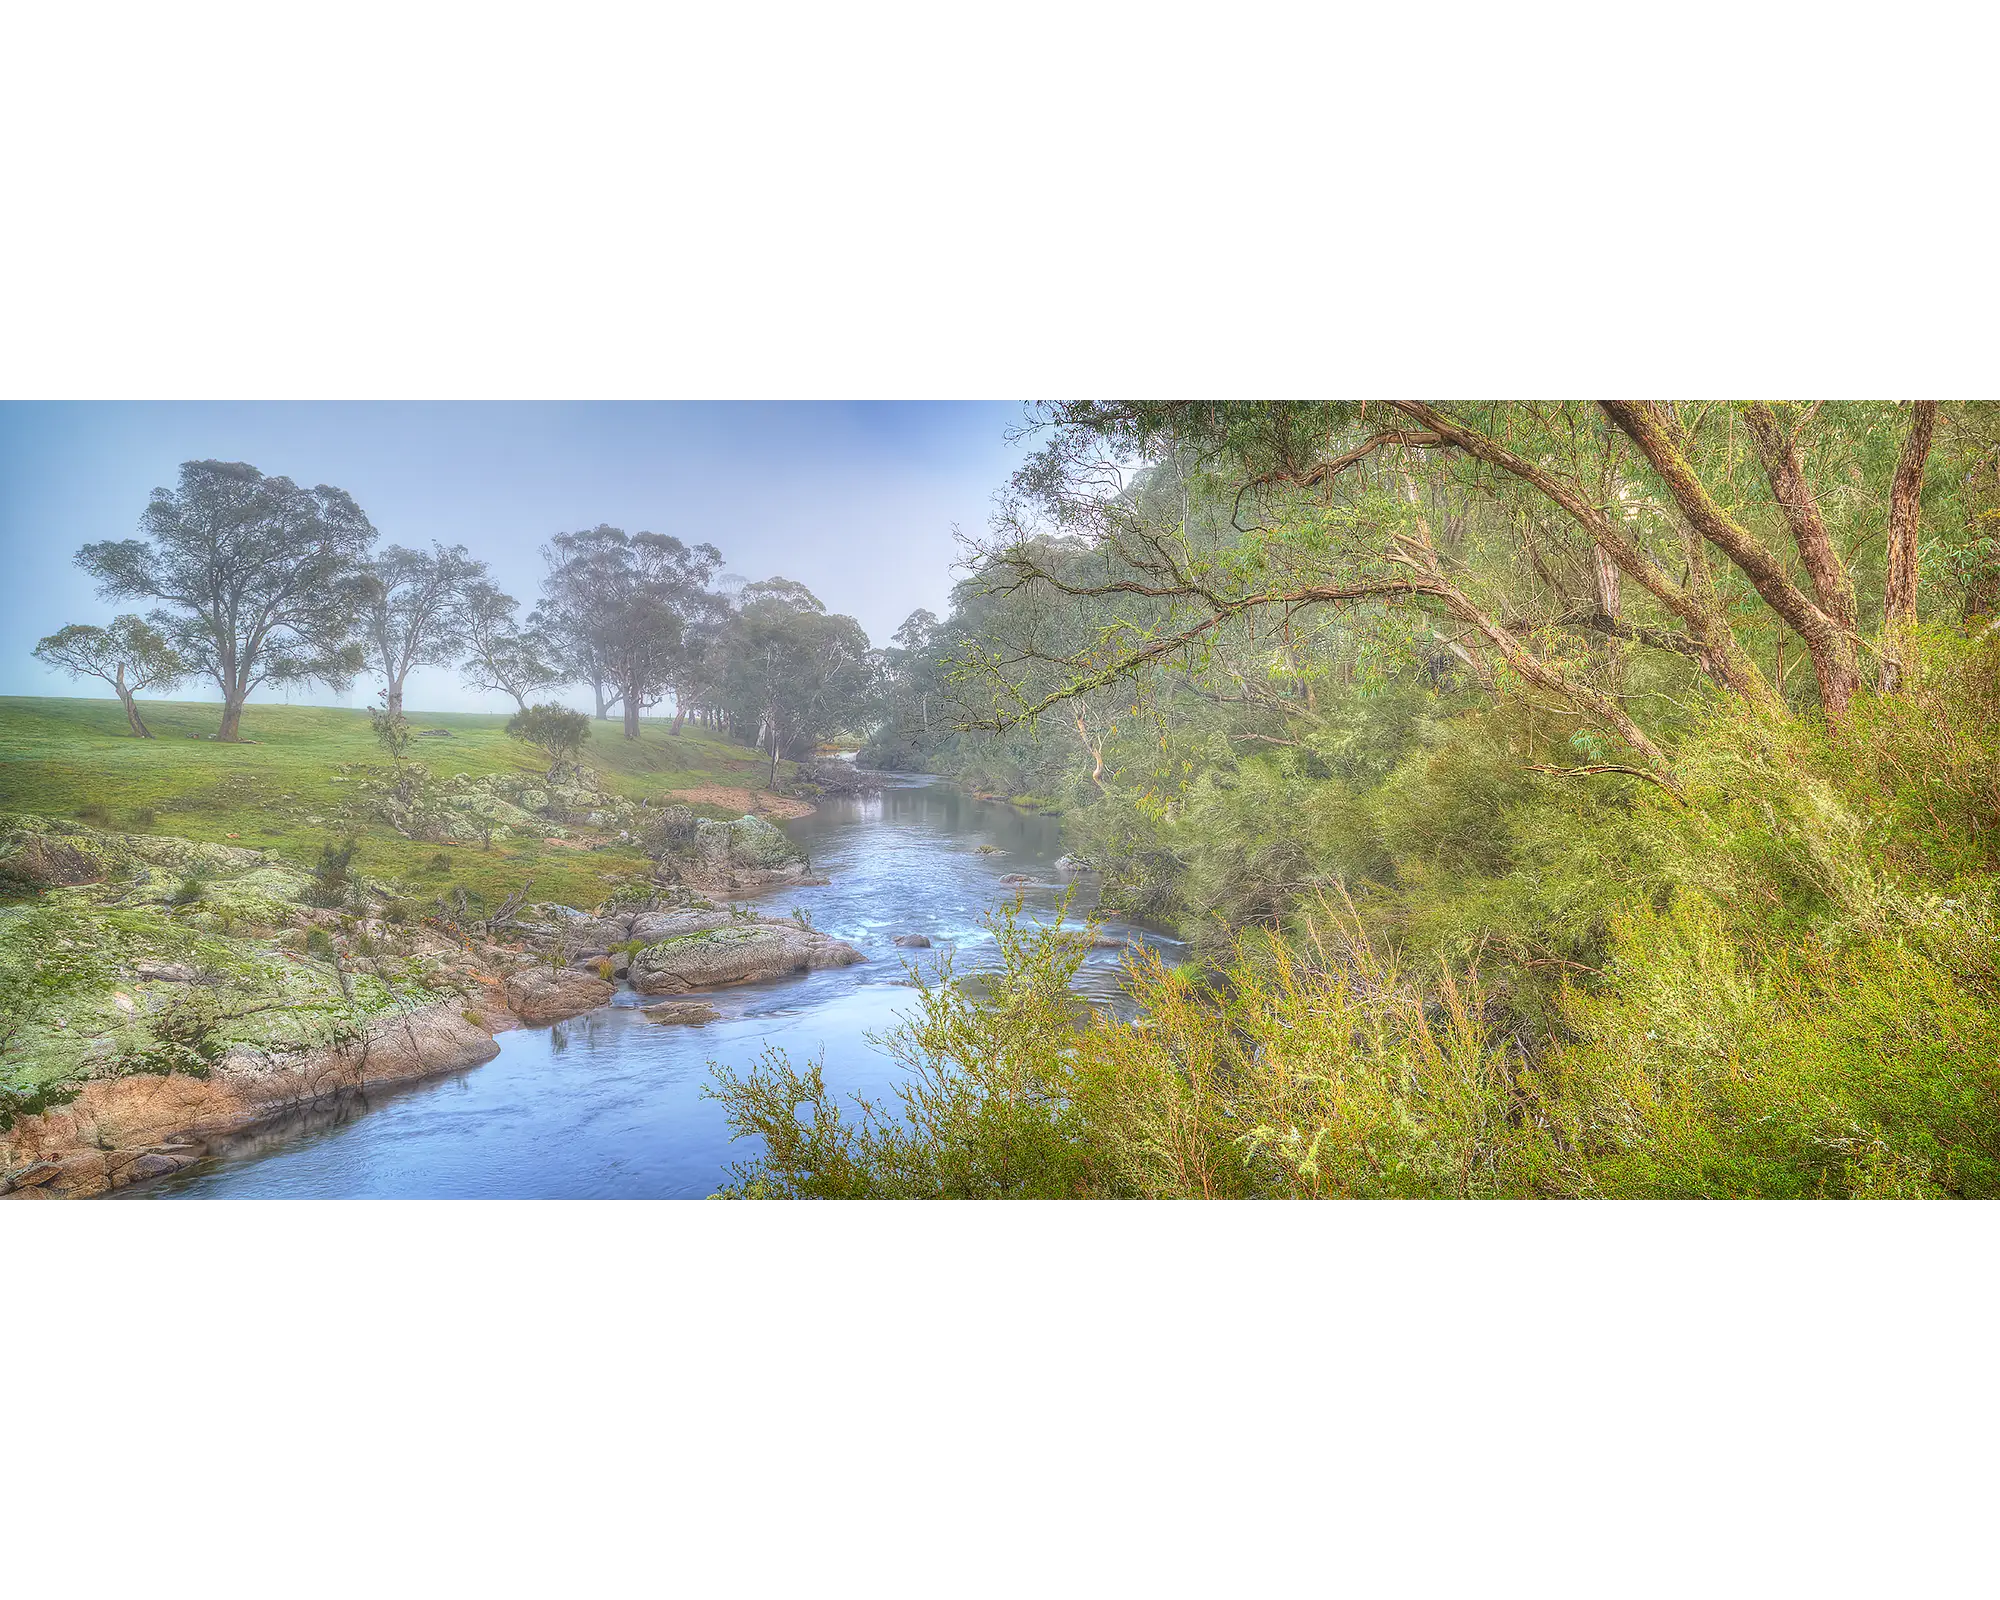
[332,876]
[1466,978]
[558,732]
[392,732]
[983,1111]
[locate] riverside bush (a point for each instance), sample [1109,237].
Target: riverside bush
[1786,986]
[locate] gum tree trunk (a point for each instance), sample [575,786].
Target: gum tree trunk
[132,717]
[1899,586]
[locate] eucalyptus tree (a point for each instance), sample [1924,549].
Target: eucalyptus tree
[1539,543]
[695,673]
[260,581]
[571,622]
[910,670]
[501,656]
[412,606]
[625,611]
[793,672]
[130,655]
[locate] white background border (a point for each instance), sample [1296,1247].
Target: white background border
[911,201]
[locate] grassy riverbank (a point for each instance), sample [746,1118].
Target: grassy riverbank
[295,782]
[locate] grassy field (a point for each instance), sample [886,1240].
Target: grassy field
[74,758]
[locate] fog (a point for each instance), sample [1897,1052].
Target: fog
[857,501]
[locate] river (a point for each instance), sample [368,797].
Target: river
[608,1104]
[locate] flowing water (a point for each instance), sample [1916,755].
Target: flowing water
[608,1104]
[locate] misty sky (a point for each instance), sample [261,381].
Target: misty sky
[857,501]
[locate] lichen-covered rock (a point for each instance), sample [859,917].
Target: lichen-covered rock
[748,853]
[739,951]
[583,930]
[748,841]
[544,994]
[121,1130]
[653,926]
[38,858]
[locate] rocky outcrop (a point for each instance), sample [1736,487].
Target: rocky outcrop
[121,1130]
[735,950]
[728,857]
[463,809]
[547,994]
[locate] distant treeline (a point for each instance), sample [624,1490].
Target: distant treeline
[257,581]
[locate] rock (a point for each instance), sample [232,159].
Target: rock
[163,972]
[106,1136]
[153,1164]
[748,853]
[1073,864]
[1016,877]
[33,859]
[913,941]
[737,952]
[687,1011]
[989,850]
[653,926]
[540,994]
[592,934]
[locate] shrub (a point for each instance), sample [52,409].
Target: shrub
[558,732]
[94,812]
[331,876]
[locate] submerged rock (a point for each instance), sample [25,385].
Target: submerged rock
[913,941]
[692,1012]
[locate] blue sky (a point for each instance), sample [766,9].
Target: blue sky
[857,501]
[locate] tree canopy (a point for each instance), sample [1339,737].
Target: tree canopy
[258,579]
[130,655]
[413,606]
